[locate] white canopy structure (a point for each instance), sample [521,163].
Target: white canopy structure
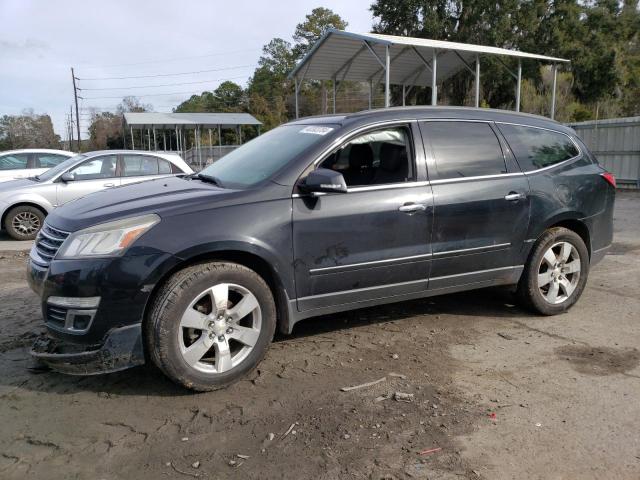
[406,61]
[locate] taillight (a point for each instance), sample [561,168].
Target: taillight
[609,178]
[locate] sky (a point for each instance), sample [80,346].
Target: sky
[42,39]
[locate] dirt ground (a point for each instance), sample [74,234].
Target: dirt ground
[498,392]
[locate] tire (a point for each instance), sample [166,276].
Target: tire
[231,341]
[565,281]
[23,222]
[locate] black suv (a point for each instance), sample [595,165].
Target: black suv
[320,215]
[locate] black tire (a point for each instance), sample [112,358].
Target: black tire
[162,326]
[530,294]
[23,222]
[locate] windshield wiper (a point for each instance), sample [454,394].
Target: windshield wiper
[209,178]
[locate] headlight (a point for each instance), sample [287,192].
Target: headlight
[107,239]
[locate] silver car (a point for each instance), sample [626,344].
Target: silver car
[25,203]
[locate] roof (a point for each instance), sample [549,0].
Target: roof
[432,112]
[139,120]
[39,150]
[336,49]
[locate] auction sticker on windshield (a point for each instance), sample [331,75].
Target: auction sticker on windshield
[316,130]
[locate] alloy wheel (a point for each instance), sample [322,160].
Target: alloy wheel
[26,223]
[559,272]
[220,328]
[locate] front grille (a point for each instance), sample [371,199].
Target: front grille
[47,243]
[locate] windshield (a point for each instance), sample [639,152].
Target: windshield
[58,169]
[260,158]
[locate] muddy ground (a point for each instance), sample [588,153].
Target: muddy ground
[497,392]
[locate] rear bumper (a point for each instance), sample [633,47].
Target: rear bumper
[122,349]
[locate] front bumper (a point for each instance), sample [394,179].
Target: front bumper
[112,339]
[122,349]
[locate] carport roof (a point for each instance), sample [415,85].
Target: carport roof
[138,120]
[349,56]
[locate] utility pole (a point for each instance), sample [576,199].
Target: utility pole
[71,129]
[75,96]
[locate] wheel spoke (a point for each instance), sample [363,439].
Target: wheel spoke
[195,352]
[567,286]
[544,278]
[565,253]
[220,297]
[552,294]
[550,258]
[572,267]
[245,335]
[243,308]
[193,319]
[223,355]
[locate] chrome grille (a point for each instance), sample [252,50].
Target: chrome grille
[47,243]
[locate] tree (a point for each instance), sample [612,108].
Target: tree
[28,130]
[316,24]
[106,128]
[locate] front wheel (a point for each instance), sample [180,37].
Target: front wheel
[556,272]
[210,325]
[23,222]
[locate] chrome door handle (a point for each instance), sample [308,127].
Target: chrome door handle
[109,185]
[511,197]
[413,207]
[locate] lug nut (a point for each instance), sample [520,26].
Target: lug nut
[221,338]
[229,330]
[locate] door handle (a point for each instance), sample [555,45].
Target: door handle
[513,196]
[109,185]
[413,207]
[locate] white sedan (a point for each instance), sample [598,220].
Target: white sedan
[29,162]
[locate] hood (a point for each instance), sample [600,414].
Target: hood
[164,196]
[10,186]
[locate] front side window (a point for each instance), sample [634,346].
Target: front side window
[376,158]
[48,160]
[139,165]
[14,161]
[259,159]
[96,168]
[536,148]
[464,149]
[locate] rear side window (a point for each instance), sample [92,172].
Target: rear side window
[464,149]
[14,161]
[139,165]
[536,148]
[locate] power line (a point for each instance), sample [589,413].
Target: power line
[167,74]
[173,59]
[131,87]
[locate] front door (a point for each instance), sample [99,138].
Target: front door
[481,206]
[373,241]
[90,176]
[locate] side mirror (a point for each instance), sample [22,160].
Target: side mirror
[67,177]
[325,181]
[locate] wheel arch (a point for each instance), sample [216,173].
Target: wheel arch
[245,257]
[25,203]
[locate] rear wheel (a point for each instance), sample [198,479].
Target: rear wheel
[23,222]
[556,273]
[210,325]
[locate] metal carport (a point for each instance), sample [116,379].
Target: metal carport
[406,61]
[156,125]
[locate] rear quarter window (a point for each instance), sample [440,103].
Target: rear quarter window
[536,148]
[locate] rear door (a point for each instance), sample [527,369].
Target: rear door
[92,175]
[481,204]
[373,241]
[137,168]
